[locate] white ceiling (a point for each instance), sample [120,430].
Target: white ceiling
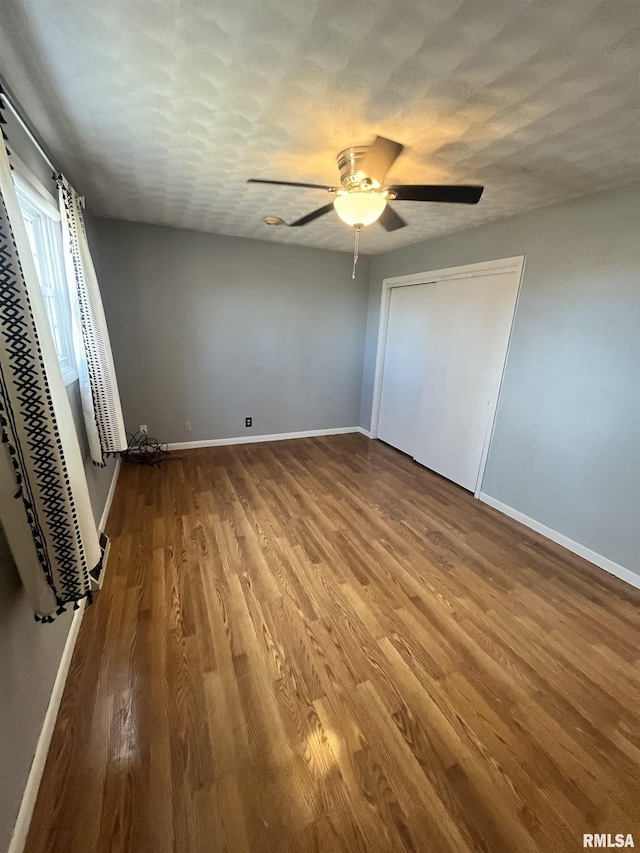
[160,110]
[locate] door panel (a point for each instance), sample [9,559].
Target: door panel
[403,371]
[467,323]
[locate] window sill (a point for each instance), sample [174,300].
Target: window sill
[69,376]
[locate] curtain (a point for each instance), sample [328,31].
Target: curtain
[44,500]
[96,373]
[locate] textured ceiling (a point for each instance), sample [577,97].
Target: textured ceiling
[161,110]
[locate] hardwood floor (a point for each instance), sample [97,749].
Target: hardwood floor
[318,645]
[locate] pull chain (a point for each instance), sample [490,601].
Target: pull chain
[355,250]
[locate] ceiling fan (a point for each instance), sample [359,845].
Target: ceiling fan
[363,198]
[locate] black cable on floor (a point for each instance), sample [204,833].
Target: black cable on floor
[144,450]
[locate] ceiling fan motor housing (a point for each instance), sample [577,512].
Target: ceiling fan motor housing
[349,162]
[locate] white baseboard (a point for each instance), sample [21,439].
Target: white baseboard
[592,556]
[23,821]
[254,439]
[110,494]
[364,431]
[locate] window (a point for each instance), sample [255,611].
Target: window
[42,222]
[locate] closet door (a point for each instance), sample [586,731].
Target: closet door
[466,325]
[403,370]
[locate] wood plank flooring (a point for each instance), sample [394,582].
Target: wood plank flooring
[318,645]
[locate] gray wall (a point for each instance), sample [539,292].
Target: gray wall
[29,659]
[566,447]
[26,150]
[211,329]
[30,652]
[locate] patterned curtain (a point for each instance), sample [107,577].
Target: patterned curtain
[44,501]
[98,385]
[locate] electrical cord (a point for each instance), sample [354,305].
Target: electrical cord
[144,450]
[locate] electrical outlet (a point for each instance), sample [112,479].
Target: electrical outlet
[143,427]
[248,422]
[187,426]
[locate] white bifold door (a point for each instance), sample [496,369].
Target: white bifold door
[445,351]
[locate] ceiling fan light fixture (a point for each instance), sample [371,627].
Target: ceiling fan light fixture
[359,207]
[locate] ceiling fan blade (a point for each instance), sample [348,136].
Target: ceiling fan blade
[316,214]
[390,220]
[289,184]
[380,157]
[437,192]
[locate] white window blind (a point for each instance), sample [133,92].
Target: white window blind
[45,240]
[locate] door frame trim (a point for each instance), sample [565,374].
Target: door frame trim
[496,267]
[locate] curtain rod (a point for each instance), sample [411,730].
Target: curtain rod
[26,128]
[23,124]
